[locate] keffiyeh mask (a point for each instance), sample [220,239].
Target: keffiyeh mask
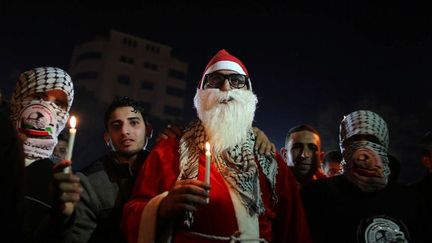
[41,121]
[365,162]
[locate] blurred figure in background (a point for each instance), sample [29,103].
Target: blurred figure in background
[332,163]
[395,167]
[61,148]
[423,186]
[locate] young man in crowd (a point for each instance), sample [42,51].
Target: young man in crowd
[107,182]
[303,153]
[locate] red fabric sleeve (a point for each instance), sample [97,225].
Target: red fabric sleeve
[158,174]
[160,171]
[290,224]
[283,221]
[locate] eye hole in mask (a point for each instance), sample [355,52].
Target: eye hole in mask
[57,97]
[361,137]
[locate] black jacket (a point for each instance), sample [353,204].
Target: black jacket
[107,186]
[38,224]
[338,211]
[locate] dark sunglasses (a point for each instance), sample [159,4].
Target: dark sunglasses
[216,80]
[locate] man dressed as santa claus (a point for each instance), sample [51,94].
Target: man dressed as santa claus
[250,197]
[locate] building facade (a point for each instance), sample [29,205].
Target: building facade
[126,65]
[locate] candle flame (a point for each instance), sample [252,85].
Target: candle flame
[72,122]
[207,146]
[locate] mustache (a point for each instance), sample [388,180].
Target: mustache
[226,97]
[226,100]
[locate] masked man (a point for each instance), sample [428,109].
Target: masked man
[40,108]
[362,205]
[249,196]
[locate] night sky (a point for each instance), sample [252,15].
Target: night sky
[309,62]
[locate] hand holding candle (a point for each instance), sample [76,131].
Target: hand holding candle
[72,132]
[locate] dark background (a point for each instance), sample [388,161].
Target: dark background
[309,61]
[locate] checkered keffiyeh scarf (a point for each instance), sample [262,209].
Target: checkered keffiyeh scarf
[237,165]
[366,123]
[40,80]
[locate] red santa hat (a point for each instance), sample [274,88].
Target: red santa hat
[224,61]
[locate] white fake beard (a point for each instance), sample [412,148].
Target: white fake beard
[227,116]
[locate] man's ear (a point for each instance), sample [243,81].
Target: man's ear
[283,151]
[107,139]
[321,156]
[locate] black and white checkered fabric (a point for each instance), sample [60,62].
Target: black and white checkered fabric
[237,165]
[364,122]
[39,80]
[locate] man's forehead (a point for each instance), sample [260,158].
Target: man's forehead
[125,112]
[62,143]
[56,93]
[304,136]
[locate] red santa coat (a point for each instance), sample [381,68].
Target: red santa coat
[282,221]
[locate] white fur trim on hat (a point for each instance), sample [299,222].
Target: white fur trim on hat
[228,65]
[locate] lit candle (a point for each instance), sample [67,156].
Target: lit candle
[208,158]
[72,132]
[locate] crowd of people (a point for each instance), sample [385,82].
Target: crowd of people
[240,189]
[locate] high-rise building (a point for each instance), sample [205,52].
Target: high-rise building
[126,65]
